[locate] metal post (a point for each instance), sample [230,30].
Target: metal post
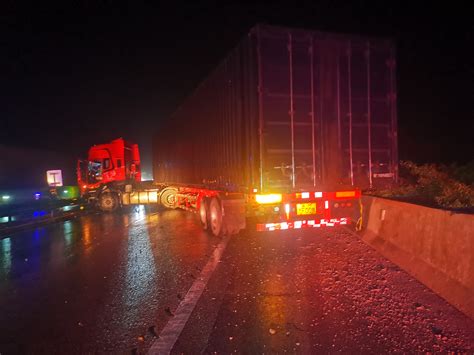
[311,56]
[260,106]
[225,117]
[369,127]
[350,110]
[290,56]
[393,115]
[321,145]
[338,98]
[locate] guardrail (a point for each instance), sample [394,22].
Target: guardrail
[18,217]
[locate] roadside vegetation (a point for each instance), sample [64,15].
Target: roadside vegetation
[434,185]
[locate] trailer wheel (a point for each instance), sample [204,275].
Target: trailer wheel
[203,208]
[108,201]
[168,197]
[215,217]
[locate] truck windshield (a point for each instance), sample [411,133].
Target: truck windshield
[95,171]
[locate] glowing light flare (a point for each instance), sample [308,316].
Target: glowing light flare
[140,282]
[140,210]
[326,205]
[341,194]
[287,210]
[302,195]
[68,234]
[318,194]
[268,199]
[270,226]
[6,256]
[86,235]
[37,214]
[274,310]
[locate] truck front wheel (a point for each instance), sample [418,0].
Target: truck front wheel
[108,201]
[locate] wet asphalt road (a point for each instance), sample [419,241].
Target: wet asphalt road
[111,282]
[96,283]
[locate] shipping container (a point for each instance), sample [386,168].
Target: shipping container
[287,110]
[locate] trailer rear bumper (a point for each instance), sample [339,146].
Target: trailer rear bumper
[311,223]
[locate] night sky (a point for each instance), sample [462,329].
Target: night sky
[87,72]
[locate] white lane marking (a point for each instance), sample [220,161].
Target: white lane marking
[172,330]
[139,219]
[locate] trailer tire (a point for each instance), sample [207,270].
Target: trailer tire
[168,197]
[215,217]
[108,201]
[203,213]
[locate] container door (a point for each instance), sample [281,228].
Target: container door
[368,120]
[289,154]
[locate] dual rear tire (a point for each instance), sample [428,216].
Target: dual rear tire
[210,212]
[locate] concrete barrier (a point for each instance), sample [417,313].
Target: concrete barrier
[435,246]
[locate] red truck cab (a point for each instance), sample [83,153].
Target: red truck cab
[117,162]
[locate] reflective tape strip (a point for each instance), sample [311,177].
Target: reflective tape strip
[303,224]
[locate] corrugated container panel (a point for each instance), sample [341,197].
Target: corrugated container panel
[211,137]
[288,109]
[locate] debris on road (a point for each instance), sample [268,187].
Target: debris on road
[152,331]
[168,311]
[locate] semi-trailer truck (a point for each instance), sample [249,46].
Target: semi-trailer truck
[294,123]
